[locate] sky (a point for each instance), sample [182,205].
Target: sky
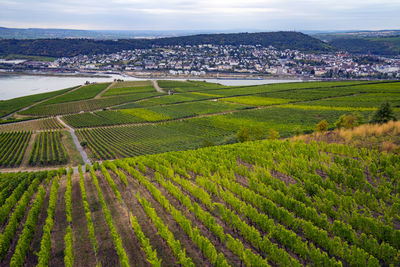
[257,15]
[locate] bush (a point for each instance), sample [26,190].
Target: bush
[384,114]
[83,143]
[243,135]
[272,134]
[322,126]
[349,121]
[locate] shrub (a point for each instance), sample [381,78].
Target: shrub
[322,126]
[272,134]
[83,143]
[243,135]
[384,114]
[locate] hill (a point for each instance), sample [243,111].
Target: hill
[385,46]
[73,47]
[263,203]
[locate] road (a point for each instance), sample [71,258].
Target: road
[158,88]
[85,157]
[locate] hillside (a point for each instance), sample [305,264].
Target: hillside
[73,47]
[384,46]
[125,119]
[191,183]
[263,203]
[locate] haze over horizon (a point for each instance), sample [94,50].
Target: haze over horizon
[215,15]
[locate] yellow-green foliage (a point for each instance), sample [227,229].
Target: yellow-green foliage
[205,94]
[146,115]
[256,100]
[305,107]
[131,84]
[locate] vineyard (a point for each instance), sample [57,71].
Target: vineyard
[48,149]
[263,203]
[33,125]
[12,147]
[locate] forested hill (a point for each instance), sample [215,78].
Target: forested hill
[387,45]
[73,47]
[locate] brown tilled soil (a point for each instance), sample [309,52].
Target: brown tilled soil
[191,249]
[59,227]
[106,255]
[160,245]
[25,159]
[232,259]
[121,220]
[83,249]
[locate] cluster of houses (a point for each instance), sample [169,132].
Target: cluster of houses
[201,60]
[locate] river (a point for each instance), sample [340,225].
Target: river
[12,86]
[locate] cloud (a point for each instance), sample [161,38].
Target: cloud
[205,14]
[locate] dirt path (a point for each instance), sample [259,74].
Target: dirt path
[105,90]
[106,254]
[85,157]
[157,87]
[232,259]
[59,228]
[25,159]
[37,103]
[160,245]
[192,250]
[120,216]
[83,249]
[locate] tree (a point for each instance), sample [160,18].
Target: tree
[322,126]
[257,133]
[384,114]
[272,134]
[243,135]
[349,121]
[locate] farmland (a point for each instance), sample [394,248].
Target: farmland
[126,119]
[48,149]
[170,182]
[262,203]
[12,147]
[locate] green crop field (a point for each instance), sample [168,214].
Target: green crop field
[15,104]
[190,179]
[12,147]
[84,92]
[48,149]
[262,203]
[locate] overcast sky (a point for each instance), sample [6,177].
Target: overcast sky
[267,15]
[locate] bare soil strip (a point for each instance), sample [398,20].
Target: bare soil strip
[106,255]
[84,156]
[192,249]
[121,221]
[105,90]
[157,87]
[59,228]
[83,249]
[128,195]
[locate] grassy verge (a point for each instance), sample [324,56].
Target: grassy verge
[73,154]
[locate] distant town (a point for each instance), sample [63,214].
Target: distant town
[210,60]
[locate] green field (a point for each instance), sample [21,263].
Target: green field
[183,188]
[262,203]
[201,114]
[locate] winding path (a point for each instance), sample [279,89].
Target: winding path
[158,88]
[85,157]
